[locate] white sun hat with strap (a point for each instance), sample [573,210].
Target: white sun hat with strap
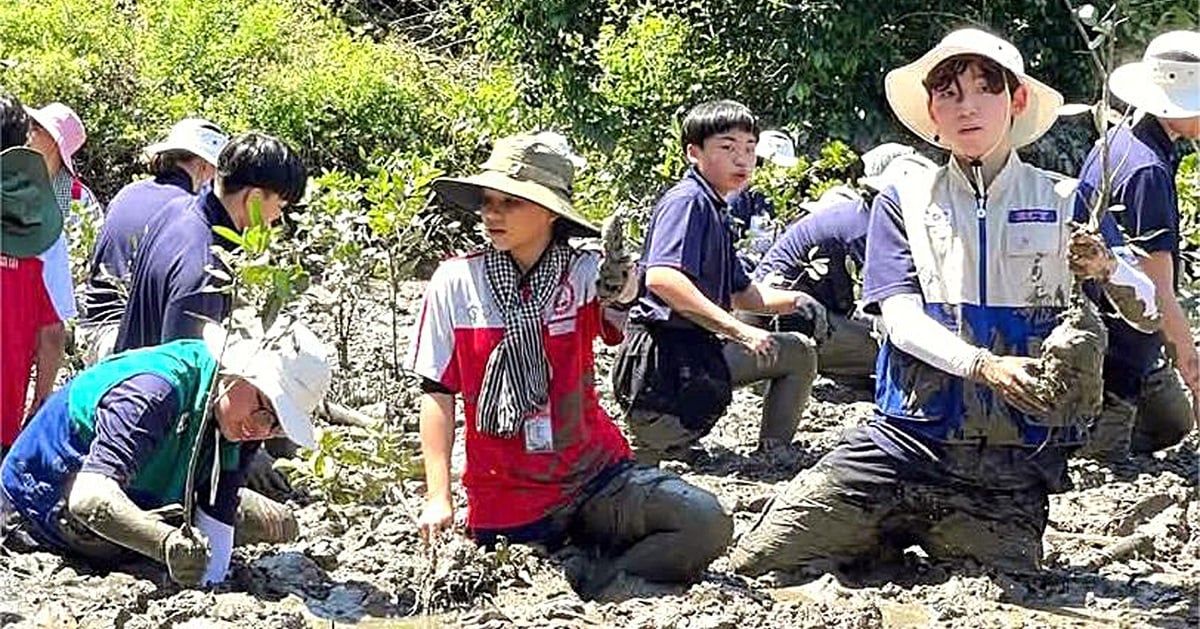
[1166,82]
[290,366]
[908,98]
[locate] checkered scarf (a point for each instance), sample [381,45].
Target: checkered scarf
[516,381]
[62,183]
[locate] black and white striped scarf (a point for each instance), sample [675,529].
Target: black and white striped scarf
[516,381]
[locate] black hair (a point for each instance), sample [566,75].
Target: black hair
[14,122]
[715,117]
[166,161]
[257,160]
[946,73]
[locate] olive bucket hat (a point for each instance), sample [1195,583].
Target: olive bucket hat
[527,166]
[30,214]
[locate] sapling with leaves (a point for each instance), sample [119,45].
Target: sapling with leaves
[1070,366]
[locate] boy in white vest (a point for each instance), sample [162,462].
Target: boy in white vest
[970,266]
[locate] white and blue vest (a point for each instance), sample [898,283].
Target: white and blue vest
[993,271]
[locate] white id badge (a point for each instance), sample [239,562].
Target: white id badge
[539,432]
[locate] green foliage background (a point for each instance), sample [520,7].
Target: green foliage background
[388,94]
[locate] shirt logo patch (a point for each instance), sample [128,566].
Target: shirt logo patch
[1033,216]
[564,299]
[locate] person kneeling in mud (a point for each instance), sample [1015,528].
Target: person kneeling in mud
[510,331]
[684,351]
[835,231]
[101,469]
[1146,388]
[971,266]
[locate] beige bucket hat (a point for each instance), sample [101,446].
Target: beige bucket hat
[906,93]
[527,166]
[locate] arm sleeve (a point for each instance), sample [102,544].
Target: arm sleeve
[784,256]
[915,333]
[191,302]
[889,269]
[677,239]
[131,420]
[1153,215]
[431,345]
[56,273]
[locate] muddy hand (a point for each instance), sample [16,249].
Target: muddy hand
[186,553]
[760,344]
[617,265]
[1013,379]
[1089,257]
[436,516]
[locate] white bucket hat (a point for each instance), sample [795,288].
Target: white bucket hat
[877,159]
[898,169]
[776,147]
[908,98]
[834,195]
[194,135]
[1166,82]
[290,367]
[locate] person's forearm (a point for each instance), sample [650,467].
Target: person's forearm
[1176,328]
[100,503]
[915,333]
[683,297]
[765,299]
[51,344]
[437,442]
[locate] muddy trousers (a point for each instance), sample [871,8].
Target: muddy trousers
[788,377]
[860,504]
[850,350]
[258,520]
[641,521]
[1160,416]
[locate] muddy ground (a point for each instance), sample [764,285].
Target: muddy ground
[1124,549]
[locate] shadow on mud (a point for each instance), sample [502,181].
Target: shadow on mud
[275,576]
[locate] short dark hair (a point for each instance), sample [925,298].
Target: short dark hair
[715,117]
[946,73]
[14,122]
[165,161]
[257,160]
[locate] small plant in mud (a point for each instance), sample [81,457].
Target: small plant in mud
[353,464]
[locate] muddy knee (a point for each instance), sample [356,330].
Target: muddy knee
[708,527]
[262,520]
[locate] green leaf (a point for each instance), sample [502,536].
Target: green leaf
[229,234]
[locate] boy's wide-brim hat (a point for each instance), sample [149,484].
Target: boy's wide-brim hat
[522,166]
[907,96]
[1166,82]
[30,215]
[289,365]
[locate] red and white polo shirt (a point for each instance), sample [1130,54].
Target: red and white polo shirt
[459,326]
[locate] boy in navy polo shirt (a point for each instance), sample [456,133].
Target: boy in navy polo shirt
[169,297]
[1146,405]
[181,166]
[835,230]
[674,370]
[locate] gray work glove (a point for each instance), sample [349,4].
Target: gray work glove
[264,478]
[186,554]
[614,285]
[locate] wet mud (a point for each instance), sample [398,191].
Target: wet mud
[1122,549]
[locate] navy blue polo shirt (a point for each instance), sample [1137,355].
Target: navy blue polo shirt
[1144,164]
[837,232]
[128,216]
[689,232]
[167,299]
